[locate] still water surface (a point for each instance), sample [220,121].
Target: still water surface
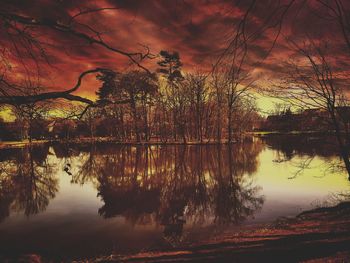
[82,201]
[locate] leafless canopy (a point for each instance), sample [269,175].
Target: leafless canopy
[23,35]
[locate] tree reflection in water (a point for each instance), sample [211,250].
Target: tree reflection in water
[290,146]
[26,181]
[175,185]
[168,186]
[301,150]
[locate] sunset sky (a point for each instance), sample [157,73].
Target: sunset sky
[198,30]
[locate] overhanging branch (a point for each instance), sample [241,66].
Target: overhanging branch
[15,19]
[66,94]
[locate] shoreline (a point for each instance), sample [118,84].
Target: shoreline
[318,235]
[19,144]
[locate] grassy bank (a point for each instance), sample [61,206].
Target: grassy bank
[18,144]
[317,133]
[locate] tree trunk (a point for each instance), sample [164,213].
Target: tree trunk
[218,124]
[137,133]
[229,126]
[344,152]
[174,125]
[30,131]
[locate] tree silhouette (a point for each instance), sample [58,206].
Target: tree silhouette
[313,84]
[136,87]
[28,183]
[188,185]
[170,66]
[23,32]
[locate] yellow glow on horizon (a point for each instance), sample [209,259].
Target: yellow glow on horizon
[7,115]
[266,104]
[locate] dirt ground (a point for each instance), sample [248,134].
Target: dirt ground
[320,235]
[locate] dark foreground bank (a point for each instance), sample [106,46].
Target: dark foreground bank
[317,235]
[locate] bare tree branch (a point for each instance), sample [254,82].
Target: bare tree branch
[66,94]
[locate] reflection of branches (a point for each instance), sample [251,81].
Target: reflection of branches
[303,151]
[36,186]
[30,185]
[236,198]
[7,195]
[333,166]
[302,165]
[185,185]
[88,170]
[333,199]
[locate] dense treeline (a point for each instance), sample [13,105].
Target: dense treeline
[172,106]
[165,106]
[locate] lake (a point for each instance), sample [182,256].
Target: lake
[72,201]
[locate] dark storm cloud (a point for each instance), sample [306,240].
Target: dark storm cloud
[199,30]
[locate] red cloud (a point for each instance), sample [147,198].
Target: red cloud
[198,30]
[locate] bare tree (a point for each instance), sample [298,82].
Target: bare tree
[217,83]
[338,11]
[235,60]
[198,96]
[313,84]
[22,39]
[175,91]
[136,87]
